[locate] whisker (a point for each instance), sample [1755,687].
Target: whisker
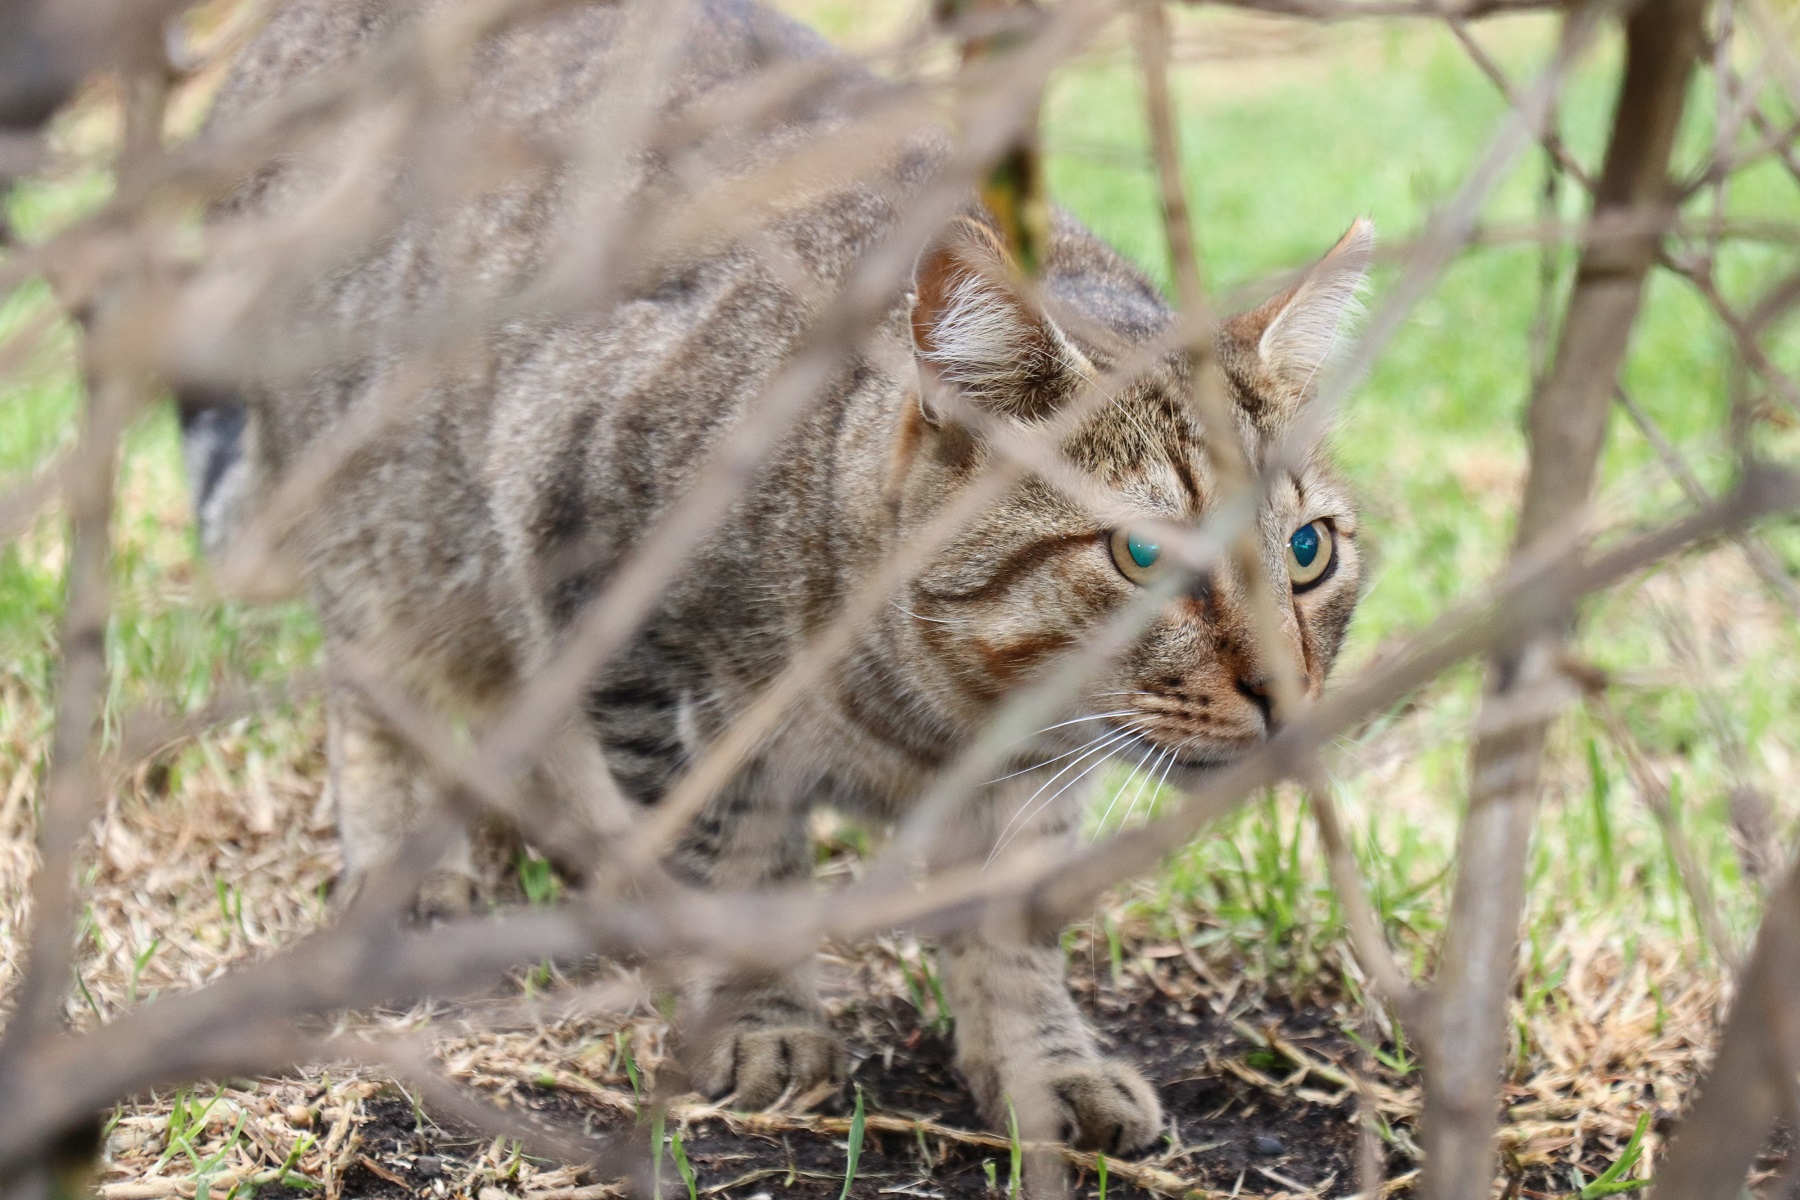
[1028,768]
[1109,806]
[920,617]
[1143,778]
[1143,785]
[1157,790]
[1124,712]
[1046,803]
[1121,712]
[1117,737]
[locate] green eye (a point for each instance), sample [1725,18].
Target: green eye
[1136,554]
[1310,549]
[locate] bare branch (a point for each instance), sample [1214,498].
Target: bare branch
[1655,794]
[1346,10]
[72,790]
[152,300]
[1752,1078]
[1567,424]
[1392,984]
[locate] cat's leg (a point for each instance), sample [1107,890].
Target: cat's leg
[1020,1039]
[571,804]
[382,791]
[763,1034]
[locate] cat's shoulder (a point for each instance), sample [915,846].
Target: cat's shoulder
[301,39]
[725,40]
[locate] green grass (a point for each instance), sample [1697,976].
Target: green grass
[1280,156]
[1278,160]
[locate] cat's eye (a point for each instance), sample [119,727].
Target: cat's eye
[1137,554]
[1310,549]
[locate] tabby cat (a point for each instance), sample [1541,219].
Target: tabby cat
[459,543]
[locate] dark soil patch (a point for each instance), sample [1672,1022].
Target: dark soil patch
[1226,1131]
[402,1156]
[1242,1119]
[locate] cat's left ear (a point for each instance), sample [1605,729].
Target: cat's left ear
[978,338]
[1290,337]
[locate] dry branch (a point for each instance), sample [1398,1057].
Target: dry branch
[1751,1083]
[1347,10]
[1756,552]
[1656,796]
[1567,422]
[72,791]
[1368,939]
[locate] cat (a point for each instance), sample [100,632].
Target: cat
[458,544]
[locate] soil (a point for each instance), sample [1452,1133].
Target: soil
[1226,1132]
[1243,1120]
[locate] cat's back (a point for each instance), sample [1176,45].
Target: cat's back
[541,73]
[528,147]
[642,383]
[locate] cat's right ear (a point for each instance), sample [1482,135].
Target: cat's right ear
[976,337]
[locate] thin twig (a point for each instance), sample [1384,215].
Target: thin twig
[1391,983]
[1654,792]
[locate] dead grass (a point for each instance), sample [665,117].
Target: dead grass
[216,851]
[211,856]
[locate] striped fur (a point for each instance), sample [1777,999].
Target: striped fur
[462,543]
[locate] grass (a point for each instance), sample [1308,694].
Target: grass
[853,1146]
[1282,146]
[684,1168]
[1613,1181]
[1278,161]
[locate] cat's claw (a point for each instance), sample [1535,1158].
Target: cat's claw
[1107,1106]
[757,1064]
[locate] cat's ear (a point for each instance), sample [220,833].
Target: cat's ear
[1290,337]
[976,336]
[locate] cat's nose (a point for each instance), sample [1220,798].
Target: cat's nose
[1255,689]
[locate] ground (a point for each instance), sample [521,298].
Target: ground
[1226,973]
[1268,1085]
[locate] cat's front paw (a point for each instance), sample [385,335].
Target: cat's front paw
[445,895]
[757,1064]
[1106,1105]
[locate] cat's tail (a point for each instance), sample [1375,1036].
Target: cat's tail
[213,428]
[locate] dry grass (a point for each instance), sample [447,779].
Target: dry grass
[213,853]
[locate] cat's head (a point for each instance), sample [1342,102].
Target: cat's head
[1039,571]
